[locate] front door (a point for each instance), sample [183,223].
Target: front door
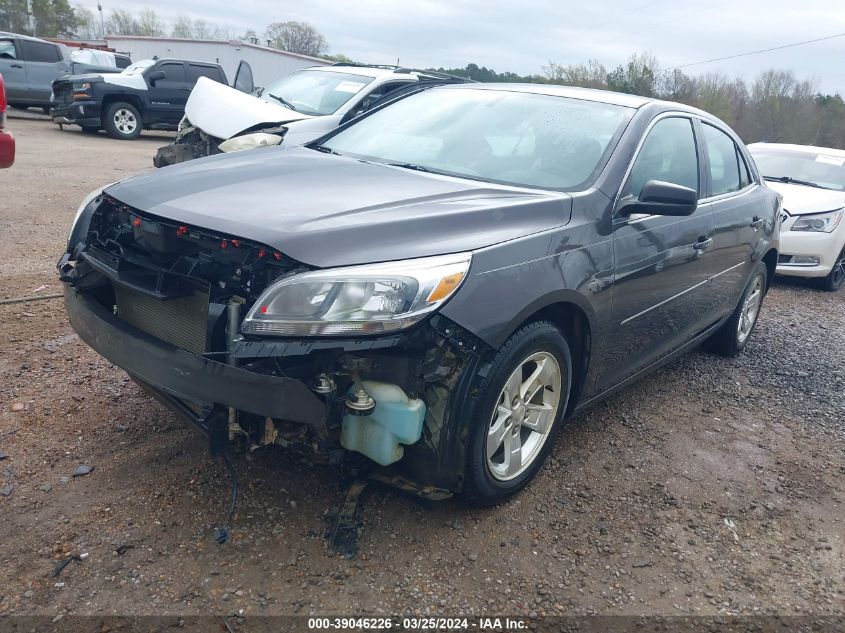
[170,94]
[13,69]
[44,63]
[660,262]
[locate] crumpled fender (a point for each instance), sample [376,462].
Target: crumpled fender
[224,112]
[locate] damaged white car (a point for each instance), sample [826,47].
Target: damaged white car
[297,108]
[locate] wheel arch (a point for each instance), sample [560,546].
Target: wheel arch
[571,313]
[771,261]
[132,100]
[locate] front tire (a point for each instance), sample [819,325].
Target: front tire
[122,121]
[730,339]
[836,277]
[523,400]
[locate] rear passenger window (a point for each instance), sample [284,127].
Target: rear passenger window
[724,162]
[668,154]
[195,72]
[7,49]
[174,73]
[40,52]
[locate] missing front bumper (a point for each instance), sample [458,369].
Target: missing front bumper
[188,376]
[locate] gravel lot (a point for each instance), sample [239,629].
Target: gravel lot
[711,487]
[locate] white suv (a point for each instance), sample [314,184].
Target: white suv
[298,107]
[812,183]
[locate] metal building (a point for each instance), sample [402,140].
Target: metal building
[267,63]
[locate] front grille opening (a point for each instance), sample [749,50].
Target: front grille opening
[181,321]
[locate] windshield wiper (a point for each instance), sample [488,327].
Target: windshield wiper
[325,150]
[793,181]
[282,100]
[413,166]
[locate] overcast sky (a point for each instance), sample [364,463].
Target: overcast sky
[523,35]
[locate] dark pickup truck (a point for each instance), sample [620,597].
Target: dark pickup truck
[150,94]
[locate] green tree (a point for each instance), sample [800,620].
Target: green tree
[182,27]
[296,37]
[14,17]
[122,22]
[638,77]
[593,74]
[149,23]
[88,24]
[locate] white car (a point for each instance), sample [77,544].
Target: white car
[812,183]
[297,108]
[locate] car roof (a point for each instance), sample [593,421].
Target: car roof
[586,94]
[26,37]
[806,149]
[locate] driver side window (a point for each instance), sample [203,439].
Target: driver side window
[668,154]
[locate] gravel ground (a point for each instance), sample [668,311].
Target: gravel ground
[711,487]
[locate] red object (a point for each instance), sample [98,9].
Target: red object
[136,221]
[182,230]
[223,244]
[261,253]
[236,243]
[263,309]
[277,256]
[7,141]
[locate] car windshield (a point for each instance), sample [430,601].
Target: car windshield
[502,136]
[813,168]
[314,92]
[138,67]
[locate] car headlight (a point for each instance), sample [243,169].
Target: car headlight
[818,222]
[357,300]
[250,141]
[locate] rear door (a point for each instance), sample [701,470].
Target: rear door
[44,63]
[169,94]
[661,262]
[736,201]
[12,68]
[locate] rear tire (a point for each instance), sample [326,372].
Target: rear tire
[523,400]
[732,337]
[836,277]
[122,121]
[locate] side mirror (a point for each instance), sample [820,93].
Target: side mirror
[154,76]
[662,198]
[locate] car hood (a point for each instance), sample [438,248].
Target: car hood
[326,210]
[223,112]
[801,200]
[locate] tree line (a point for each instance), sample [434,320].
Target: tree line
[776,106]
[57,18]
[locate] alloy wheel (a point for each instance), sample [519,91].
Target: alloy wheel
[750,310]
[524,415]
[125,121]
[837,275]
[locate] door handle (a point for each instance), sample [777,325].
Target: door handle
[703,244]
[16,66]
[757,222]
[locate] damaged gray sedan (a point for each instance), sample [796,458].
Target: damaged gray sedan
[430,290]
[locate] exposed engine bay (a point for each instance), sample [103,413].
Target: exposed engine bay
[387,398]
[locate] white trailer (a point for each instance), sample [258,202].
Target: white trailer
[267,63]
